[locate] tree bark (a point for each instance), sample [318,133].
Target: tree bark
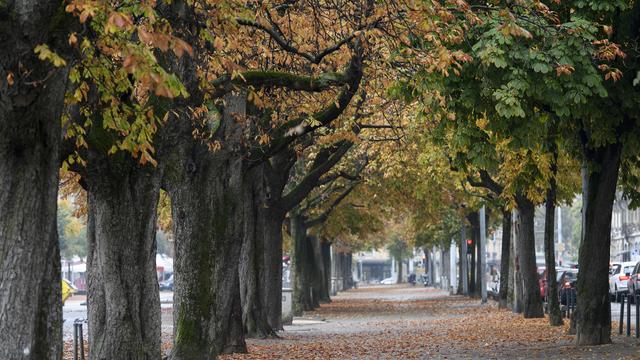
[301,259]
[593,313]
[555,317]
[209,200]
[251,269]
[30,135]
[123,301]
[399,262]
[532,303]
[474,220]
[271,280]
[505,259]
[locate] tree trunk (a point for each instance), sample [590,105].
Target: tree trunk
[301,259]
[593,313]
[555,317]
[31,301]
[254,314]
[474,220]
[515,280]
[30,136]
[399,262]
[348,270]
[326,257]
[532,303]
[210,195]
[316,273]
[505,258]
[271,280]
[123,302]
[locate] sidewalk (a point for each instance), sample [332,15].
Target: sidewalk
[401,322]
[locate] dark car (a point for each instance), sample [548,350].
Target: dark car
[566,284]
[634,281]
[167,284]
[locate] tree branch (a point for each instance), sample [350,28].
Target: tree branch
[269,79]
[325,215]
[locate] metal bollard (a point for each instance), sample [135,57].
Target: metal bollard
[78,341]
[628,315]
[637,298]
[622,298]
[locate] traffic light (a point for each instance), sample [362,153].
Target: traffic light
[469,246]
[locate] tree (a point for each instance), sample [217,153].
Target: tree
[31,102]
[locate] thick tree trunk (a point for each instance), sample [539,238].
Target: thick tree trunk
[399,262]
[251,269]
[271,279]
[555,317]
[505,258]
[207,214]
[209,199]
[302,258]
[532,303]
[31,300]
[123,302]
[31,102]
[316,272]
[593,313]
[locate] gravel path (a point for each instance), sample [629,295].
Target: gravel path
[403,322]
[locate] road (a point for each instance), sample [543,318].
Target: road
[75,308]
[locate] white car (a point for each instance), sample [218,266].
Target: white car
[618,278]
[389,281]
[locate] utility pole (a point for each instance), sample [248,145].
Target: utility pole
[483,254]
[463,260]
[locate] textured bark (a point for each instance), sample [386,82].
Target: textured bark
[302,258]
[271,279]
[252,260]
[318,276]
[505,259]
[555,317]
[123,302]
[208,206]
[399,262]
[532,304]
[593,313]
[30,136]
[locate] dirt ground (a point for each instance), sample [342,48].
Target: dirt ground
[402,322]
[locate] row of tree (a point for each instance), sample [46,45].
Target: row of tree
[251,115]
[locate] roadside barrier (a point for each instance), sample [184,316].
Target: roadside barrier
[78,341]
[626,298]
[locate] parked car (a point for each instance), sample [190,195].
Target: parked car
[567,280]
[542,281]
[633,285]
[388,281]
[167,284]
[619,278]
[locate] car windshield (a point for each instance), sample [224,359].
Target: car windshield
[628,269]
[615,268]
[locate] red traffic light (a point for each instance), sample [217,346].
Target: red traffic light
[469,242]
